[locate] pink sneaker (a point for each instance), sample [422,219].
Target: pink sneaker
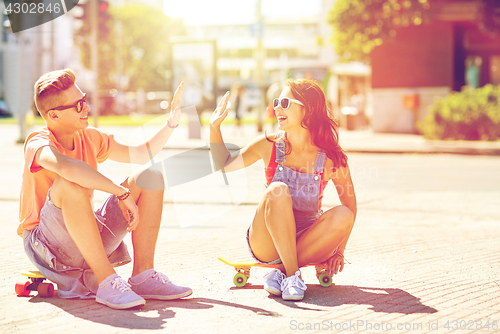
[116,293]
[151,284]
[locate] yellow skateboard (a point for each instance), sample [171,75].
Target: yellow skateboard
[34,284]
[243,272]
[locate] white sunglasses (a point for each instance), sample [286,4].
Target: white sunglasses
[284,102]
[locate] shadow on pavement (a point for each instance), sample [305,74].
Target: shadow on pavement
[153,315]
[386,300]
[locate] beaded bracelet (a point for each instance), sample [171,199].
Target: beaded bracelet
[124,196]
[342,256]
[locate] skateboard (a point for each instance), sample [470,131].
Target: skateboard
[243,272]
[34,284]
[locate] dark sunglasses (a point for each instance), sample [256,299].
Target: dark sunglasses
[78,105]
[284,102]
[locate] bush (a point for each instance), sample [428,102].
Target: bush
[465,115]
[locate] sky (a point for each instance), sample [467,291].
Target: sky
[237,11]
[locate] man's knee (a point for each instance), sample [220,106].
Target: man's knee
[63,189]
[149,179]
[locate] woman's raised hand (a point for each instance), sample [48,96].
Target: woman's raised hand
[175,107]
[220,112]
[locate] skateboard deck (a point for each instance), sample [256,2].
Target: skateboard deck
[243,271]
[35,283]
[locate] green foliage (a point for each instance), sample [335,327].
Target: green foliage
[140,46]
[467,115]
[361,25]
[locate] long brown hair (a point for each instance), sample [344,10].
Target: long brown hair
[317,119]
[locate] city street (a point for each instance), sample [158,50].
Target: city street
[408,89]
[424,255]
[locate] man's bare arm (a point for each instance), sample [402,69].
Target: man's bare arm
[76,171]
[142,153]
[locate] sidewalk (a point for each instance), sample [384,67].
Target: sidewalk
[424,252]
[362,141]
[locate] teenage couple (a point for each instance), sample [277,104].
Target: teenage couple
[77,247]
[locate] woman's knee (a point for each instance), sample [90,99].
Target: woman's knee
[277,193]
[339,219]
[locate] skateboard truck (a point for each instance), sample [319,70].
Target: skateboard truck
[35,283]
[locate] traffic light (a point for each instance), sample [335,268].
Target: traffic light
[83,14]
[5,20]
[103,17]
[103,6]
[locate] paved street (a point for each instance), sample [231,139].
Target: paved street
[424,254]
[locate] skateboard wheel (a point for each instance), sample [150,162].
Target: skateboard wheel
[325,280]
[21,289]
[45,289]
[240,280]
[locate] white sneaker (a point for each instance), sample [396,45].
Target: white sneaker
[274,278]
[293,287]
[116,293]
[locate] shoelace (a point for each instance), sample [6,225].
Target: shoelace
[161,277]
[276,275]
[120,284]
[293,281]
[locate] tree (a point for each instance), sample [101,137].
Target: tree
[361,25]
[136,36]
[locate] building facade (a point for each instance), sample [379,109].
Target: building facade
[26,55]
[428,61]
[290,46]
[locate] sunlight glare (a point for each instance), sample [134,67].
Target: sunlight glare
[201,12]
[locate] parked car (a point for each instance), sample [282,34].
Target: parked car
[4,110]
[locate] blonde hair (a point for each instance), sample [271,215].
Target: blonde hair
[48,87]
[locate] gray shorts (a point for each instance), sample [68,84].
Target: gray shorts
[50,247]
[52,231]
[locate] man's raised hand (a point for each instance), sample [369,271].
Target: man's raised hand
[175,107]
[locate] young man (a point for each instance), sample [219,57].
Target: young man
[71,244]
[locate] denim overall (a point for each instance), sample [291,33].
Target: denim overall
[304,188]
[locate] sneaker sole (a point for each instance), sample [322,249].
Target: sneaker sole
[181,295]
[121,306]
[290,297]
[273,291]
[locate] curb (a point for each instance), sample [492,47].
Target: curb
[434,150]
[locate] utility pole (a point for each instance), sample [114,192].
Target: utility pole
[21,112]
[52,46]
[94,59]
[259,64]
[119,56]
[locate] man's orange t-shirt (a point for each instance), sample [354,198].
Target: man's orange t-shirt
[91,146]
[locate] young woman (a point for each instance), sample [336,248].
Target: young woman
[289,227]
